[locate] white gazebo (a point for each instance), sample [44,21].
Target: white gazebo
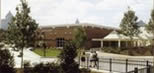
[114,39]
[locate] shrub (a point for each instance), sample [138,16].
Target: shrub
[85,70]
[27,68]
[47,68]
[6,62]
[67,57]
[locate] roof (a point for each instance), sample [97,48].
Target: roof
[78,25]
[114,36]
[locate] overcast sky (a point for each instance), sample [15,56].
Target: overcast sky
[103,12]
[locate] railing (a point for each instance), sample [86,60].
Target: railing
[118,65]
[148,69]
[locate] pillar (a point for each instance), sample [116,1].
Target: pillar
[101,44]
[119,43]
[134,43]
[126,43]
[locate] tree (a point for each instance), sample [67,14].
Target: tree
[43,43]
[67,57]
[2,35]
[129,25]
[6,61]
[150,25]
[21,31]
[80,37]
[150,28]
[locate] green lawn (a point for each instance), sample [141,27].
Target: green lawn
[49,52]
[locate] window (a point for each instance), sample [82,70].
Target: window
[114,43]
[105,44]
[123,44]
[60,42]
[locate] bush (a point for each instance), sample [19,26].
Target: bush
[6,62]
[47,68]
[112,50]
[27,68]
[84,70]
[67,57]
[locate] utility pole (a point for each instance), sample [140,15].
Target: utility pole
[44,44]
[0,13]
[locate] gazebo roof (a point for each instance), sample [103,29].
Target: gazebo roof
[115,36]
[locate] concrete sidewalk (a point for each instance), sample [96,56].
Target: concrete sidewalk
[101,71]
[118,56]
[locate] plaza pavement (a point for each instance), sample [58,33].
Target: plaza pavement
[118,56]
[120,67]
[29,56]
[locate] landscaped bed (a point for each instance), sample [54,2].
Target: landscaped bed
[49,52]
[135,51]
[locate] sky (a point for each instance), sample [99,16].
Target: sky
[101,12]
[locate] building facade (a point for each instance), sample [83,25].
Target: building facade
[56,36]
[5,22]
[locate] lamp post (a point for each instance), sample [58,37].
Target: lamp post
[44,44]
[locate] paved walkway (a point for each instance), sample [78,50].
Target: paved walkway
[118,56]
[101,71]
[121,67]
[29,56]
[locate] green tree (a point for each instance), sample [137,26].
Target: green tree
[80,37]
[43,43]
[150,26]
[6,61]
[22,29]
[2,35]
[67,57]
[129,25]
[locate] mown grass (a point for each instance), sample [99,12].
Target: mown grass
[49,52]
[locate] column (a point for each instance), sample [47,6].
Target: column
[134,43]
[102,44]
[126,43]
[119,43]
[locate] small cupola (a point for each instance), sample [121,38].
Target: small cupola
[77,21]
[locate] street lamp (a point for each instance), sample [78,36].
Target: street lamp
[44,44]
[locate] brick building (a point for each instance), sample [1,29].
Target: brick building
[55,36]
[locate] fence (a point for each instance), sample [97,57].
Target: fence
[148,69]
[118,65]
